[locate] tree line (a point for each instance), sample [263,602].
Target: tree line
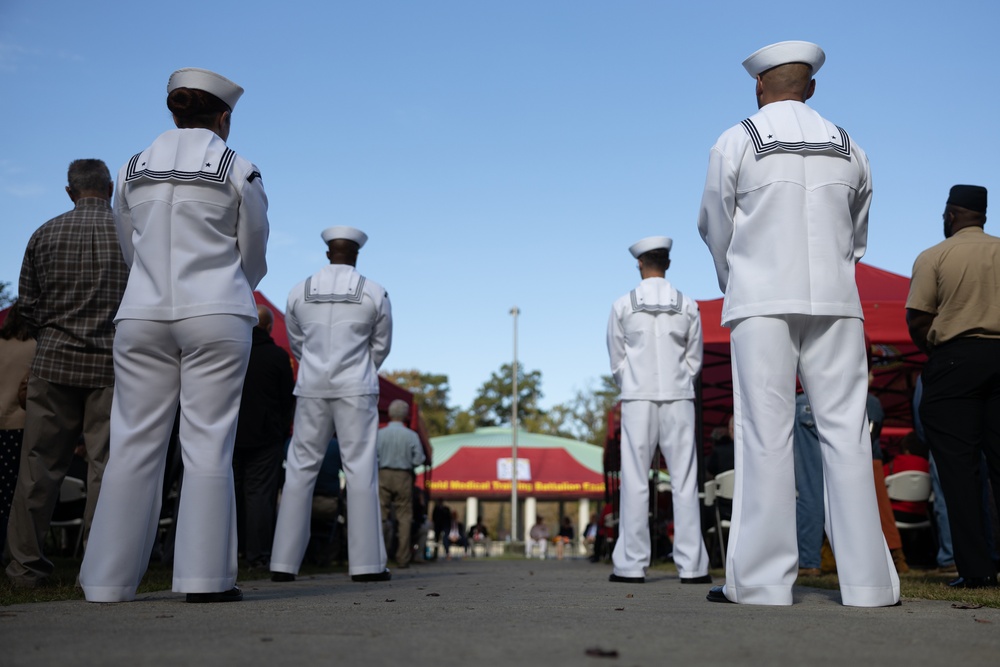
[584,417]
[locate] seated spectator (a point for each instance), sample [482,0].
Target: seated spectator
[876,416]
[590,537]
[421,524]
[607,528]
[478,535]
[74,509]
[441,518]
[538,536]
[723,456]
[565,536]
[455,537]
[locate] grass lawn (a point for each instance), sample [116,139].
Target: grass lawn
[923,584]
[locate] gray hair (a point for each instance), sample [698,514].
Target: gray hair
[88,175]
[398,410]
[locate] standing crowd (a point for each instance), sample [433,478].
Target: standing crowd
[141,303]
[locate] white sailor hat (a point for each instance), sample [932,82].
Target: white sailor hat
[650,243]
[210,82]
[344,232]
[783,53]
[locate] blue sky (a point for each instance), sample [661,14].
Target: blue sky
[497,153]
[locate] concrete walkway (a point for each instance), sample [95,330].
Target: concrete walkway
[494,612]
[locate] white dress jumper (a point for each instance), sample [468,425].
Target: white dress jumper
[785,216]
[192,224]
[340,329]
[655,345]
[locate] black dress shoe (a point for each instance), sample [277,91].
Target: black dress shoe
[282,576]
[626,580]
[384,575]
[704,579]
[234,594]
[974,582]
[715,594]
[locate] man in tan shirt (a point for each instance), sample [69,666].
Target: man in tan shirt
[953,313]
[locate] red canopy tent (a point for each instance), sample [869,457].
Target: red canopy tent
[896,362]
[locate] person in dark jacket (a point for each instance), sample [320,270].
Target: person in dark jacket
[441,517]
[265,417]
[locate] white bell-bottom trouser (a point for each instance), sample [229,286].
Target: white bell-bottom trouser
[762,557]
[198,363]
[356,421]
[671,424]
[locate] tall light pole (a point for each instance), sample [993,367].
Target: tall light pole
[513,443]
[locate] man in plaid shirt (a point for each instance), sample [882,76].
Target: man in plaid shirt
[72,280]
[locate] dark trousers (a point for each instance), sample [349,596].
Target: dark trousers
[257,474]
[57,417]
[960,410]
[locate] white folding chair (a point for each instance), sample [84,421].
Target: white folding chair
[72,490]
[910,486]
[720,488]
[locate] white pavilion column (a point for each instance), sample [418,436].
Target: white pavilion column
[583,518]
[471,512]
[530,515]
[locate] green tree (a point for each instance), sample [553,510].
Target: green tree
[492,405]
[554,421]
[430,390]
[6,298]
[585,416]
[464,422]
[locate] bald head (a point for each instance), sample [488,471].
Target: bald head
[342,251]
[785,82]
[265,318]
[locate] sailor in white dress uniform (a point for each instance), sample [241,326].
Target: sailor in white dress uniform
[340,329]
[655,345]
[785,216]
[192,224]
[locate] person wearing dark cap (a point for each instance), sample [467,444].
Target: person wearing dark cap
[192,225]
[785,217]
[655,347]
[340,329]
[953,312]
